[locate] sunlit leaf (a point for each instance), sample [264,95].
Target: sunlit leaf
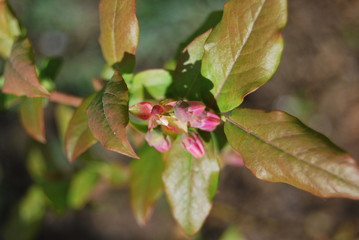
[82,184]
[244,49]
[78,137]
[145,183]
[108,116]
[190,184]
[189,83]
[279,148]
[119,29]
[32,117]
[20,75]
[9,29]
[153,82]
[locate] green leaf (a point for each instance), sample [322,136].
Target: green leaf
[119,29]
[243,51]
[145,183]
[36,164]
[78,137]
[116,174]
[56,189]
[279,148]
[26,221]
[20,74]
[9,29]
[82,185]
[154,82]
[108,116]
[63,115]
[190,184]
[32,206]
[32,117]
[189,83]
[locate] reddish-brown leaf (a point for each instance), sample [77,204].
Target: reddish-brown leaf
[119,29]
[20,75]
[32,117]
[279,148]
[108,116]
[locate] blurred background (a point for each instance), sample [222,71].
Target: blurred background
[317,81]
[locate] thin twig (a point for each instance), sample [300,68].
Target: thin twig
[65,99]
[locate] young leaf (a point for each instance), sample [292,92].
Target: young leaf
[154,81]
[32,117]
[119,29]
[78,137]
[279,148]
[188,79]
[108,116]
[82,185]
[9,29]
[145,183]
[244,49]
[20,75]
[190,184]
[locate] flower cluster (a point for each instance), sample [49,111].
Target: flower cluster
[173,117]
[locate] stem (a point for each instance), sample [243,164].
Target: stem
[65,99]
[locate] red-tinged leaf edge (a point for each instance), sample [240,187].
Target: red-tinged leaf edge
[108,116]
[20,74]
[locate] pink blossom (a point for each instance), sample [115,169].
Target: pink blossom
[157,139]
[141,110]
[206,121]
[186,111]
[155,117]
[194,145]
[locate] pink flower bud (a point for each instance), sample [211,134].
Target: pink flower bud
[157,139]
[194,145]
[141,110]
[155,116]
[185,111]
[206,121]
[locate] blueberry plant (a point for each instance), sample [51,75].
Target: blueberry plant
[187,116]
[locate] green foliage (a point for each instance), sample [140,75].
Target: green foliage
[244,49]
[229,57]
[190,184]
[145,183]
[78,135]
[150,84]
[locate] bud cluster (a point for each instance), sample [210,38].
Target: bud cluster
[173,117]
